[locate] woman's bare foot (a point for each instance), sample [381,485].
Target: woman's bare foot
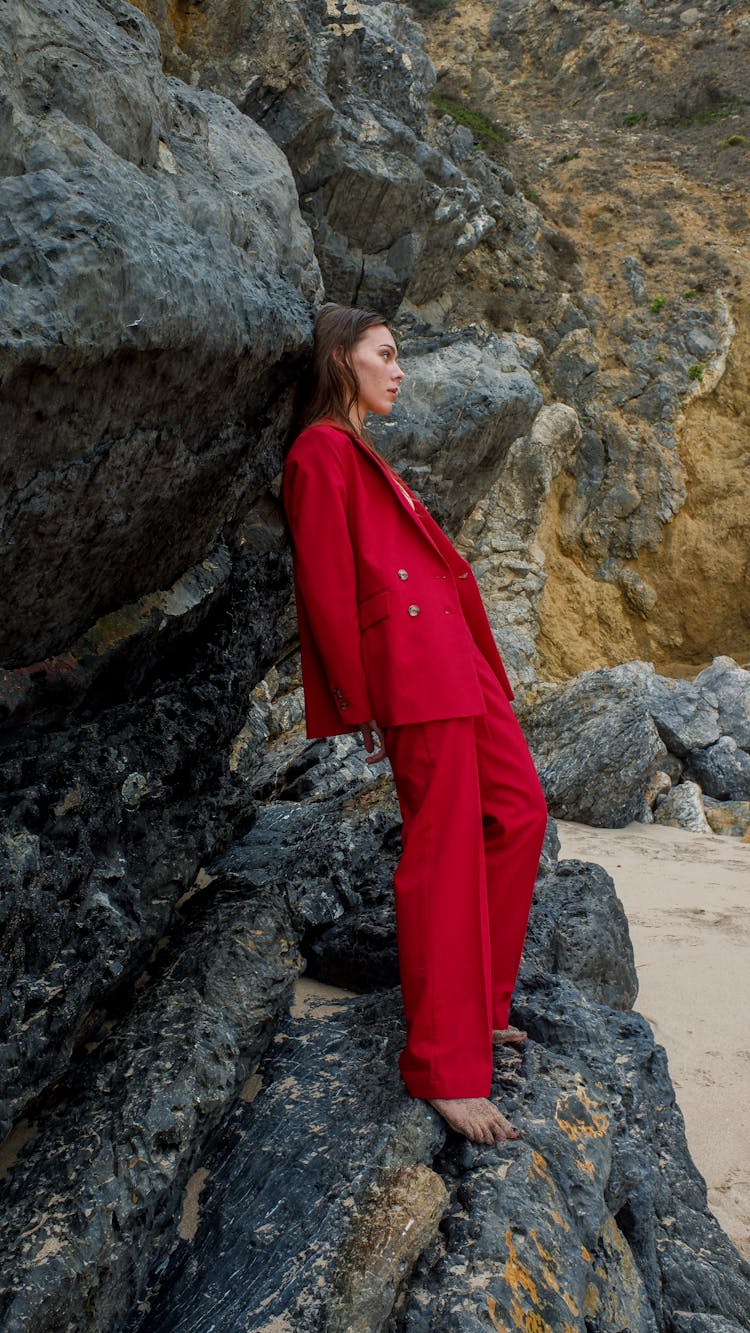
[509,1036]
[476,1117]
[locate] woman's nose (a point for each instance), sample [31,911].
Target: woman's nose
[398,372]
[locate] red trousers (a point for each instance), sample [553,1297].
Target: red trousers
[474,817]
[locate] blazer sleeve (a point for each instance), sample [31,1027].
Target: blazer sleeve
[315,495]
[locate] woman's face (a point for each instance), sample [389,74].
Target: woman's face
[373,359]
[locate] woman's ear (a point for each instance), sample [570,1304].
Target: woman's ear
[338,356]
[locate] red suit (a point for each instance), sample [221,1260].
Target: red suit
[393,628]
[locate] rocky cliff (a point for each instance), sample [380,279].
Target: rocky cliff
[180,183]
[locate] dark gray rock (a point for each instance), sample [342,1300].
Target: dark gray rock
[154,284]
[594,745]
[153,275]
[706,722]
[722,770]
[107,817]
[598,738]
[597,1210]
[96,1186]
[686,717]
[578,929]
[730,685]
[598,1216]
[459,410]
[283,1208]
[342,89]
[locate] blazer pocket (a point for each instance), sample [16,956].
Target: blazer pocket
[374,608]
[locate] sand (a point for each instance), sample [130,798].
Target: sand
[687,897]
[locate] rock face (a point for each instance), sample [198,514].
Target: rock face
[154,277]
[341,88]
[104,1169]
[170,846]
[462,405]
[631,278]
[600,742]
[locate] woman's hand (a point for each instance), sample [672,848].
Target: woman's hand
[370,732]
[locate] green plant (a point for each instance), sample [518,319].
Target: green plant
[483,129]
[656,304]
[633,117]
[570,155]
[733,141]
[689,293]
[696,370]
[426,8]
[659,356]
[532,194]
[708,115]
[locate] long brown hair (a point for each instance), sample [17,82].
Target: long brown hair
[330,388]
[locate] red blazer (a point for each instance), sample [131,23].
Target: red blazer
[387,608]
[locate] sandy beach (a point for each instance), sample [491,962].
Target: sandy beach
[687,897]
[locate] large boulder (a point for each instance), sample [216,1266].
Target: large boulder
[465,399]
[342,89]
[153,275]
[155,280]
[594,744]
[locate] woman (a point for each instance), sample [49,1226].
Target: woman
[395,643]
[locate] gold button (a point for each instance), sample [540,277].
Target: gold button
[403,574]
[413,610]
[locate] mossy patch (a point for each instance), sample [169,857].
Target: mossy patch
[486,133]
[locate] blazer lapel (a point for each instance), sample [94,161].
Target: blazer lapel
[373,458]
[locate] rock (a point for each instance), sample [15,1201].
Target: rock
[126,639]
[658,785]
[154,294]
[729,817]
[574,359]
[330,860]
[140,366]
[638,594]
[499,536]
[93,1192]
[594,745]
[321,1188]
[723,770]
[635,276]
[686,716]
[705,723]
[461,406]
[597,1208]
[730,685]
[109,814]
[682,807]
[599,1214]
[342,90]
[578,929]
